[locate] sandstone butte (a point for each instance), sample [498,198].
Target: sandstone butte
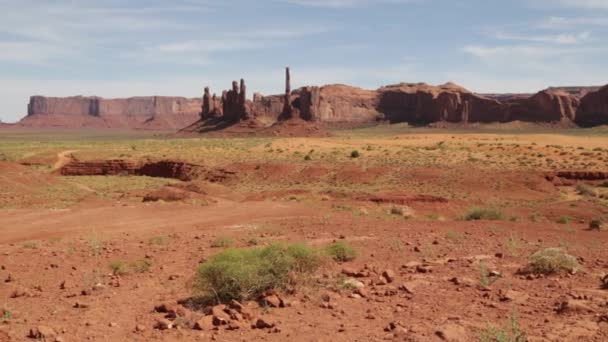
[417,103]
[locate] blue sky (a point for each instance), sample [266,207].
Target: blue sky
[121,48]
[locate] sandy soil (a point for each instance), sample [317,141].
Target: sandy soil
[56,246]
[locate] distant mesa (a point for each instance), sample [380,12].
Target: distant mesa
[308,110]
[152,112]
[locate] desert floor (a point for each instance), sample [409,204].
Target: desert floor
[403,198]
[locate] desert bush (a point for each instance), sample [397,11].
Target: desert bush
[596,224]
[563,219]
[247,273]
[483,214]
[586,190]
[341,251]
[510,332]
[552,261]
[355,154]
[118,267]
[604,280]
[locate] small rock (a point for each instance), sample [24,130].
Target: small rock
[273,301]
[353,283]
[113,324]
[140,328]
[205,323]
[452,333]
[261,323]
[389,275]
[163,324]
[514,296]
[42,332]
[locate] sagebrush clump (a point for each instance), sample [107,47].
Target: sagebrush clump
[341,251]
[483,214]
[247,273]
[552,261]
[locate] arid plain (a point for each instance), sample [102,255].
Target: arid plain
[417,234]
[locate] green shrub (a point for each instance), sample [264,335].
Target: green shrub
[118,267]
[355,154]
[552,261]
[341,251]
[246,273]
[510,332]
[563,219]
[483,214]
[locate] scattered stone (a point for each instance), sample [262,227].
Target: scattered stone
[78,305]
[140,328]
[43,332]
[242,309]
[389,275]
[163,324]
[220,317]
[21,292]
[353,283]
[452,333]
[9,278]
[361,292]
[573,306]
[113,324]
[261,323]
[273,301]
[514,296]
[205,323]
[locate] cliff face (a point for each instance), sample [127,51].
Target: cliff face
[593,109]
[153,112]
[545,106]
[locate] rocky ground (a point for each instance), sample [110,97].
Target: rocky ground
[114,258]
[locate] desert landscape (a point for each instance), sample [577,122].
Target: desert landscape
[303,170]
[401,233]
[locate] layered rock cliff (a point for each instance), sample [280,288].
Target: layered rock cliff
[593,109]
[154,112]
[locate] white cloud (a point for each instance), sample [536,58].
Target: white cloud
[561,39]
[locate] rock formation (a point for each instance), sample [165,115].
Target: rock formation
[549,105]
[593,109]
[153,112]
[416,103]
[206,109]
[287,107]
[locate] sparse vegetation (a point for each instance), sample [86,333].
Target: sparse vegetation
[355,154]
[118,267]
[140,266]
[341,251]
[552,261]
[96,246]
[596,225]
[6,315]
[222,242]
[563,219]
[509,332]
[586,190]
[483,214]
[246,273]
